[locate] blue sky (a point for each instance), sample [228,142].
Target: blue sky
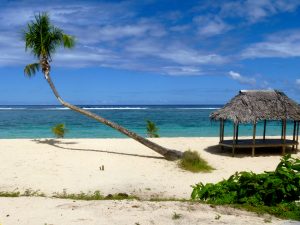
[155,52]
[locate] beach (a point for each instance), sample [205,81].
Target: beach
[75,165]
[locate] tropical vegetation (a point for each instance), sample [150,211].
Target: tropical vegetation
[192,161]
[152,129]
[275,192]
[59,130]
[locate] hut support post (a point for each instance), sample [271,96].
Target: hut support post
[297,135]
[254,134]
[237,132]
[223,129]
[220,131]
[233,141]
[284,137]
[294,135]
[281,129]
[265,125]
[222,137]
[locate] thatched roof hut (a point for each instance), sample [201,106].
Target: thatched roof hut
[252,106]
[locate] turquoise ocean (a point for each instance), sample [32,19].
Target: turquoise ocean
[172,121]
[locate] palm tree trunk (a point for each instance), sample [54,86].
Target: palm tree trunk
[167,153]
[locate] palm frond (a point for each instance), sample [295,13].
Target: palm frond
[68,41]
[31,69]
[43,39]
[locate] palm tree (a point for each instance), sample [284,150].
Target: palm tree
[152,129]
[59,130]
[43,39]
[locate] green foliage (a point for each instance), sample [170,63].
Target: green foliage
[31,69]
[93,196]
[9,194]
[277,190]
[81,196]
[289,210]
[269,188]
[192,161]
[43,39]
[59,130]
[31,193]
[152,129]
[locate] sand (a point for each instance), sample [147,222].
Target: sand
[74,165]
[41,211]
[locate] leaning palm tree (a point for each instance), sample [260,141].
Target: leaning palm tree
[43,39]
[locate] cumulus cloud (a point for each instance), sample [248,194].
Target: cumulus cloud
[180,71]
[241,79]
[282,45]
[256,10]
[211,25]
[108,34]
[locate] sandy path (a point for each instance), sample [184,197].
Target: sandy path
[42,211]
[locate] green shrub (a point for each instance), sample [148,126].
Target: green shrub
[268,188]
[192,161]
[152,129]
[59,130]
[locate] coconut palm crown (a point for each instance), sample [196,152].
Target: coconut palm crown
[43,39]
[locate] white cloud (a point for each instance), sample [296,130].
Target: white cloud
[298,82]
[281,45]
[211,25]
[241,79]
[256,10]
[180,71]
[108,35]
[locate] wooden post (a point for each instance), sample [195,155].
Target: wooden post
[254,134]
[297,135]
[233,141]
[294,135]
[220,130]
[284,136]
[281,129]
[223,130]
[237,132]
[265,125]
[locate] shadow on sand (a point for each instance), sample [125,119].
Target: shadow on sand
[246,152]
[56,143]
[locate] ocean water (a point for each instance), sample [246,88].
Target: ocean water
[172,121]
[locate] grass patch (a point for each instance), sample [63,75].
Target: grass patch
[191,161]
[176,216]
[11,194]
[284,210]
[170,200]
[32,193]
[93,196]
[81,196]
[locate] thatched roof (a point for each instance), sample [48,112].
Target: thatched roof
[251,106]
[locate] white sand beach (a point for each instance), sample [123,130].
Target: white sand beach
[51,165]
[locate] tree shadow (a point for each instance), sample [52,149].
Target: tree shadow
[246,152]
[55,143]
